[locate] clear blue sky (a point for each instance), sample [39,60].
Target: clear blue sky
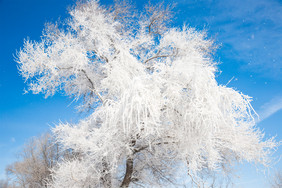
[248,32]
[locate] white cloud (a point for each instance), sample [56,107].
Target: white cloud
[250,31]
[270,108]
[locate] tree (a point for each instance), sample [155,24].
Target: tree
[276,180]
[156,112]
[38,156]
[4,184]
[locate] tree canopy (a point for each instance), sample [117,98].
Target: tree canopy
[157,113]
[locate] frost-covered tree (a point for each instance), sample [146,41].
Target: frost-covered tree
[156,112]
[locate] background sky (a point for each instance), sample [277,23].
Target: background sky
[249,36]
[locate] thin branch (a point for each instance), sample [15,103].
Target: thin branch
[101,56]
[93,89]
[136,150]
[154,57]
[92,86]
[174,53]
[165,107]
[190,175]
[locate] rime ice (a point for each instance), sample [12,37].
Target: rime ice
[156,103]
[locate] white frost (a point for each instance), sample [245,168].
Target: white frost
[154,95]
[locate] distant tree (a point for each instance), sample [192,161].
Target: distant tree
[276,182]
[157,114]
[4,183]
[38,156]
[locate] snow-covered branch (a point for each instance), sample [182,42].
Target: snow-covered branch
[145,124]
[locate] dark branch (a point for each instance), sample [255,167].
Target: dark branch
[128,174]
[92,87]
[129,168]
[174,53]
[154,57]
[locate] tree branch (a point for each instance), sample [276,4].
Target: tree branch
[154,57]
[92,86]
[174,53]
[93,89]
[191,176]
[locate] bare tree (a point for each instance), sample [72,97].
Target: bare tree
[276,181]
[38,156]
[4,183]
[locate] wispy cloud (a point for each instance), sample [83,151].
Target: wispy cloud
[250,31]
[270,108]
[254,32]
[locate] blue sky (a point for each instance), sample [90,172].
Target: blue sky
[248,33]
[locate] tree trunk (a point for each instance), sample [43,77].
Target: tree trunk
[129,170]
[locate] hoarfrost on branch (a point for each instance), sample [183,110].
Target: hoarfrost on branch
[157,112]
